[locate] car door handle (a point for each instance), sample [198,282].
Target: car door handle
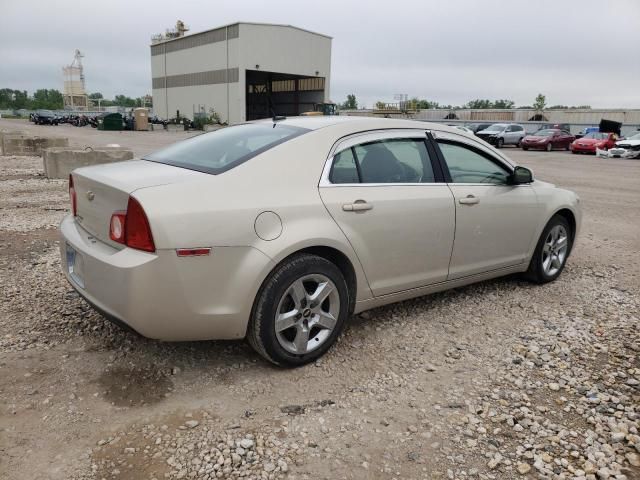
[469,200]
[357,206]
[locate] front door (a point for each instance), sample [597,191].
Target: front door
[396,213]
[495,221]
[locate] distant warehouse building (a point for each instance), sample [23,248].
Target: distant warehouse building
[243,71]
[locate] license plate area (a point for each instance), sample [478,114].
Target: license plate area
[75,266]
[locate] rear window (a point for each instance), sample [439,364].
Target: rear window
[219,151]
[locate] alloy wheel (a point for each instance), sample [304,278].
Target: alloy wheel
[307,314]
[554,252]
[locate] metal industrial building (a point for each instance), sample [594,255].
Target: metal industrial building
[243,71]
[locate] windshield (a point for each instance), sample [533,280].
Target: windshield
[497,127]
[634,137]
[597,135]
[544,133]
[219,151]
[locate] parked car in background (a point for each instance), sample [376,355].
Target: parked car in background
[176,247]
[586,131]
[45,117]
[555,126]
[477,127]
[500,134]
[627,148]
[594,141]
[548,140]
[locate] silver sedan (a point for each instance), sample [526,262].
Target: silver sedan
[278,231]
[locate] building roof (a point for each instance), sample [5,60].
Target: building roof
[243,23]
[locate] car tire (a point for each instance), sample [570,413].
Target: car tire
[525,148]
[552,251]
[519,144]
[289,339]
[500,143]
[549,147]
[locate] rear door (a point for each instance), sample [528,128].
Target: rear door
[510,137]
[495,221]
[385,191]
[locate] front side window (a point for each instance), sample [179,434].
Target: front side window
[219,151]
[397,160]
[467,165]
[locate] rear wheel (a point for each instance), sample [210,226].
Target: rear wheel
[525,148]
[519,143]
[551,252]
[300,311]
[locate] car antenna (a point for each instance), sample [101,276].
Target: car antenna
[276,117]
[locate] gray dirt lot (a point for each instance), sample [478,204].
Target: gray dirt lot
[498,380]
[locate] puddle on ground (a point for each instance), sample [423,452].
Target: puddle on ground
[131,387]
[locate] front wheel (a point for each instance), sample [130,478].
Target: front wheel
[299,311]
[500,143]
[549,147]
[551,252]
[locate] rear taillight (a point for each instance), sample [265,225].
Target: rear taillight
[72,197]
[131,228]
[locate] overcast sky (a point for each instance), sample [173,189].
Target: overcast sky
[451,51]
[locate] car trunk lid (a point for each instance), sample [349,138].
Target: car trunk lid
[104,189]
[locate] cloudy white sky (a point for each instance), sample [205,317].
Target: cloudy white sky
[450,51]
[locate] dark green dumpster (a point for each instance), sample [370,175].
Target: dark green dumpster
[110,121]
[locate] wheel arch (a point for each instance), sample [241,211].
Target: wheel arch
[570,217]
[332,254]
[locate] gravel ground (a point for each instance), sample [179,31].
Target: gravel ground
[499,380]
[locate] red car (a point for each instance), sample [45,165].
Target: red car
[548,139]
[591,141]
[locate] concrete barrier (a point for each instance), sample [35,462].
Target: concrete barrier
[29,145]
[5,132]
[60,162]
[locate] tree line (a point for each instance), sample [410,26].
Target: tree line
[51,99]
[540,103]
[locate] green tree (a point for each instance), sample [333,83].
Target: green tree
[558,107]
[540,102]
[124,101]
[423,104]
[351,103]
[503,103]
[95,96]
[479,104]
[49,99]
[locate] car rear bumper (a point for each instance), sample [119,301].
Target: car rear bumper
[163,296]
[584,149]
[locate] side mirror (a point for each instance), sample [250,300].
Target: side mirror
[521,175]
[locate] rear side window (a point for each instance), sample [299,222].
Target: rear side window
[219,151]
[396,160]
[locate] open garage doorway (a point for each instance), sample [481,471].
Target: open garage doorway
[270,93]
